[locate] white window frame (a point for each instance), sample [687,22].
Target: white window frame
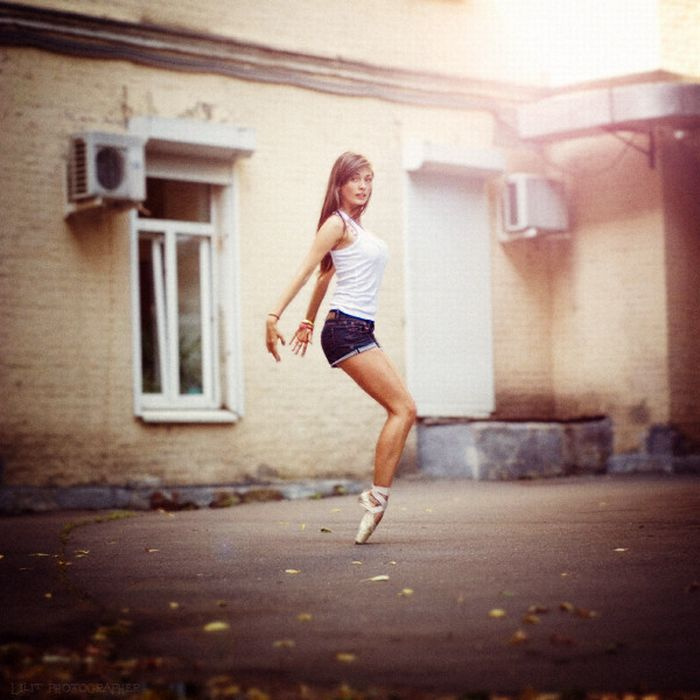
[166,291]
[222,398]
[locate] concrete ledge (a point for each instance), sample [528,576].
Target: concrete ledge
[500,450]
[40,499]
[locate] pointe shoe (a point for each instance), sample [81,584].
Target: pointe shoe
[375,504]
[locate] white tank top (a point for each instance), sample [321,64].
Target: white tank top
[359,269]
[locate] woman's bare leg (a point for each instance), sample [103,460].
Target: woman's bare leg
[375,373]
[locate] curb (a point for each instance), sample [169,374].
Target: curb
[15,500]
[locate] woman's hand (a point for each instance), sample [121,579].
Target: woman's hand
[272,335]
[302,338]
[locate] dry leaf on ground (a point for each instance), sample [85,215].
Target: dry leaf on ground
[217,626]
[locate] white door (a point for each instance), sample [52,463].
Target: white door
[448,317]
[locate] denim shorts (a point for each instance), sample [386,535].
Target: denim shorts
[344,336]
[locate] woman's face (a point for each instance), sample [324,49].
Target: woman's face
[356,191]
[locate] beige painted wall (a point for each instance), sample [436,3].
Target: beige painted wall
[65,295]
[581,326]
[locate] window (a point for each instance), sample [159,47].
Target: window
[177,238]
[178,357]
[184,272]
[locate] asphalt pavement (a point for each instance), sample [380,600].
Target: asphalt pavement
[571,586]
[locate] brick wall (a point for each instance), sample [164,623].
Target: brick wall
[610,346]
[679,22]
[65,306]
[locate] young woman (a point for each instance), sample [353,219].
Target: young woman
[357,258]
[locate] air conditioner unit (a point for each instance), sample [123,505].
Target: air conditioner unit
[533,204]
[106,166]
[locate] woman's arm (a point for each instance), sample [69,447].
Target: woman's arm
[328,236]
[302,337]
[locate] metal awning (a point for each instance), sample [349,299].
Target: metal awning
[637,107]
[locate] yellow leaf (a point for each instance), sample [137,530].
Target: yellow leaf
[497,612]
[173,605]
[357,563]
[531,619]
[291,572]
[381,577]
[620,549]
[256,694]
[150,550]
[304,617]
[284,644]
[566,607]
[217,626]
[39,554]
[345,657]
[406,592]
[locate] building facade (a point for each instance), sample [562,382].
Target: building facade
[133,322]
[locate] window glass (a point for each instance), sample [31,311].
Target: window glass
[190,313]
[150,346]
[177,200]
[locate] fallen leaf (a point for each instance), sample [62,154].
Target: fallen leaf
[508,594]
[531,619]
[620,549]
[381,577]
[518,637]
[39,554]
[2,556]
[256,694]
[357,563]
[292,572]
[335,510]
[81,552]
[217,626]
[325,529]
[222,687]
[173,605]
[538,609]
[302,526]
[406,592]
[497,612]
[221,603]
[566,607]
[284,644]
[305,617]
[48,595]
[585,613]
[345,657]
[460,598]
[150,550]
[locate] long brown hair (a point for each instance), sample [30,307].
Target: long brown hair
[346,165]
